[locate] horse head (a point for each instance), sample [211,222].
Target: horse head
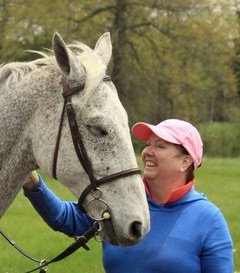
[103,124]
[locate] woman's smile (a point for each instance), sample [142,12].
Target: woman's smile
[150,163]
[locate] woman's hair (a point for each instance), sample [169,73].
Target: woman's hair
[190,170]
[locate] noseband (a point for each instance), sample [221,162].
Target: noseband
[80,148]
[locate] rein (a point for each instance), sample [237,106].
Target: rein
[80,242]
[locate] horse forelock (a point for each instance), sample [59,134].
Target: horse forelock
[95,70]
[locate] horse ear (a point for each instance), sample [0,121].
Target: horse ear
[103,48]
[67,61]
[61,53]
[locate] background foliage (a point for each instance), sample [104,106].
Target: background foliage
[170,58]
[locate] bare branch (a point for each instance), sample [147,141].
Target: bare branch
[94,13]
[135,53]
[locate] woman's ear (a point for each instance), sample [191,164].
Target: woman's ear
[187,161]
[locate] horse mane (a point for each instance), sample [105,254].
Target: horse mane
[15,71]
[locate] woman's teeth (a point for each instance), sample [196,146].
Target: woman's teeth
[150,164]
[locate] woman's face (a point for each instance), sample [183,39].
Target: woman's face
[161,159]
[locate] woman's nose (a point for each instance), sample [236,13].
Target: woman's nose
[148,150]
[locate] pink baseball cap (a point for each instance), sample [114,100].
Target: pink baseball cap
[174,131]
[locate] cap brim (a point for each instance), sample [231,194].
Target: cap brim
[142,131]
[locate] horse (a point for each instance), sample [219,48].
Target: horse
[31,102]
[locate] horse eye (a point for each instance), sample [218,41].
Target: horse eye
[103,132]
[96,130]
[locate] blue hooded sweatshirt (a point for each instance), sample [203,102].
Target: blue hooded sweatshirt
[189,235]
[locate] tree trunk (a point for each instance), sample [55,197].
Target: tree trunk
[118,32]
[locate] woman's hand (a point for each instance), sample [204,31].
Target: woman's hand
[31,181]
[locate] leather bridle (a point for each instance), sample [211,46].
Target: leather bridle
[79,145]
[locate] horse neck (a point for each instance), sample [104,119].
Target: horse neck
[18,103]
[16,111]
[16,156]
[13,172]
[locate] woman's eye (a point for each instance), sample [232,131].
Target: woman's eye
[160,146]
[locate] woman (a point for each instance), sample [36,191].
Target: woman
[188,233]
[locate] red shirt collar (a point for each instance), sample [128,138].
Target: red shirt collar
[176,194]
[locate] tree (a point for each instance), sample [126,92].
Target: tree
[170,58]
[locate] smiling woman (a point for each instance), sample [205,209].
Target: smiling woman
[180,242]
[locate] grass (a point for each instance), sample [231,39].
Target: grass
[25,226]
[219,179]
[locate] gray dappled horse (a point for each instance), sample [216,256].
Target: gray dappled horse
[31,103]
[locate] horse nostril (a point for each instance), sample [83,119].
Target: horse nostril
[136,230]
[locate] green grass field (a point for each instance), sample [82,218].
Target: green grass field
[219,179]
